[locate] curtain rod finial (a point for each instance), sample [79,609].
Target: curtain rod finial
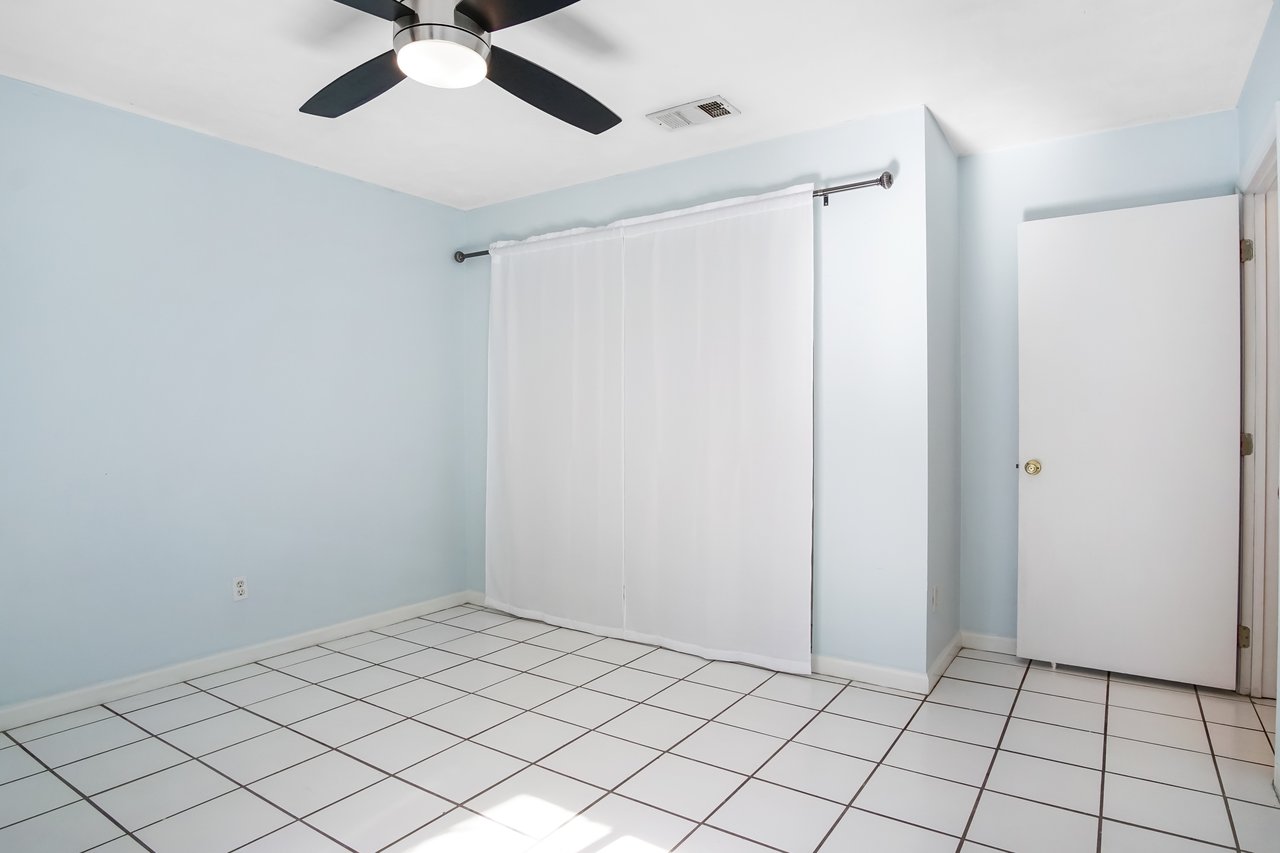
[886,179]
[459,257]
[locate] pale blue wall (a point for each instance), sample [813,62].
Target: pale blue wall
[213,362]
[1172,161]
[1257,104]
[943,246]
[871,522]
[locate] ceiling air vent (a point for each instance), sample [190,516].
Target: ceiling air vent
[694,112]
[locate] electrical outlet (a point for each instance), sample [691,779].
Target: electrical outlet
[239,589]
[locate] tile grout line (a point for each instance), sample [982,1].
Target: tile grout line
[386,775]
[9,732]
[146,736]
[403,719]
[1119,737]
[234,706]
[634,704]
[338,749]
[240,786]
[149,735]
[1213,753]
[237,785]
[588,730]
[113,714]
[1213,844]
[469,739]
[994,756]
[752,775]
[880,763]
[1102,776]
[1090,701]
[786,742]
[370,665]
[841,685]
[908,725]
[1268,735]
[83,798]
[353,700]
[320,683]
[704,722]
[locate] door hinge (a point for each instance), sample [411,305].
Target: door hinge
[1246,444]
[1245,637]
[1246,251]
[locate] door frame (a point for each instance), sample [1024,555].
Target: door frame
[1260,410]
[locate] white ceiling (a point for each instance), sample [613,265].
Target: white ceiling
[996,73]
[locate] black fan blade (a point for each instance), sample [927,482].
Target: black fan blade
[358,86]
[389,9]
[553,95]
[496,15]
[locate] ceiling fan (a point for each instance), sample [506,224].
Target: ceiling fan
[447,44]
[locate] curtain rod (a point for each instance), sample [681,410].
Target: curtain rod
[885,180]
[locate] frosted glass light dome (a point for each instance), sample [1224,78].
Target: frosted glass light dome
[443,64]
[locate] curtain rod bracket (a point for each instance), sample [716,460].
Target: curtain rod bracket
[885,181]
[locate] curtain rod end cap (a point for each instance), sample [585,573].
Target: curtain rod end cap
[886,180]
[459,257]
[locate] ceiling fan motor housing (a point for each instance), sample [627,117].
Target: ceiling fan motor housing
[439,20]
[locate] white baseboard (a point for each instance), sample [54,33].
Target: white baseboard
[988,643]
[33,710]
[881,676]
[905,679]
[943,660]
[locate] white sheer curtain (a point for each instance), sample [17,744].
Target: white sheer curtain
[719,430]
[650,445]
[553,532]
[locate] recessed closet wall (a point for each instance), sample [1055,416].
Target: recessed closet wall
[876,277]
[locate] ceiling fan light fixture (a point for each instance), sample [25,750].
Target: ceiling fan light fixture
[442,56]
[447,44]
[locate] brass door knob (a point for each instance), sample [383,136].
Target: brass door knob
[1032,467]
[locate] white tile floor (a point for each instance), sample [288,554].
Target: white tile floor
[467,730]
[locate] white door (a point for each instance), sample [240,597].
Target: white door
[1129,403]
